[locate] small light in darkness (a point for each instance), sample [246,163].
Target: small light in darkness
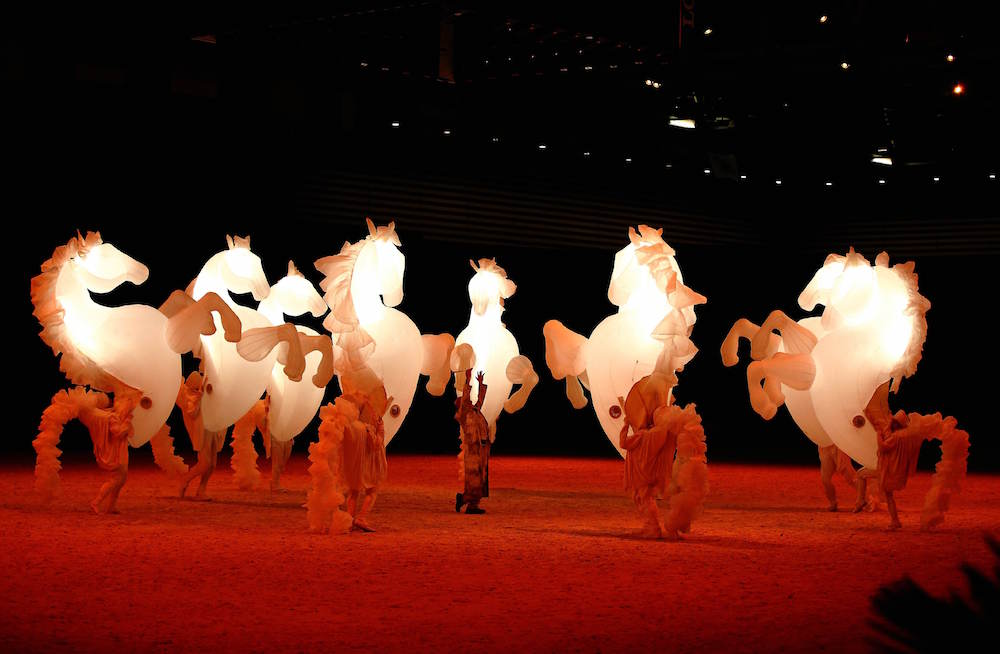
[844,65]
[541,146]
[824,18]
[708,31]
[395,123]
[881,181]
[829,183]
[959,89]
[936,179]
[950,58]
[446,132]
[777,182]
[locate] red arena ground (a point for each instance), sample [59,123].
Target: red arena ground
[551,566]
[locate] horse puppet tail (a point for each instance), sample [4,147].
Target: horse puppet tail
[64,407]
[950,470]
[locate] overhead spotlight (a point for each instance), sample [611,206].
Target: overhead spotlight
[824,18]
[777,182]
[649,82]
[446,132]
[708,30]
[395,123]
[844,65]
[586,154]
[936,179]
[958,89]
[828,184]
[495,139]
[588,68]
[364,64]
[881,181]
[707,171]
[743,177]
[882,159]
[542,146]
[628,160]
[993,176]
[668,165]
[656,85]
[683,123]
[950,58]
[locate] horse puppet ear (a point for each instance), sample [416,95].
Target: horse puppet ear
[371,227]
[229,242]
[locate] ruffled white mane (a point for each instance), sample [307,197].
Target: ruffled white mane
[77,366]
[352,344]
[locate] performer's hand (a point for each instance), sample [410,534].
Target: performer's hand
[479,377]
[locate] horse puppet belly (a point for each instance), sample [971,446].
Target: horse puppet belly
[494,347]
[134,350]
[396,361]
[845,382]
[799,403]
[294,404]
[620,352]
[232,384]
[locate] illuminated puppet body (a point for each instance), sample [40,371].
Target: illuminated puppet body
[362,285]
[236,375]
[629,364]
[379,354]
[827,369]
[132,351]
[289,406]
[654,321]
[487,350]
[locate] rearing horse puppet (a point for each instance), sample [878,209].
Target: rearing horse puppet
[363,284]
[288,405]
[827,370]
[235,375]
[132,352]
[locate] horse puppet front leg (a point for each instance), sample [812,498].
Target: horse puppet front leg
[188,319]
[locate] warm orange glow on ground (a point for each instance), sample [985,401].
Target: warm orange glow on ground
[550,567]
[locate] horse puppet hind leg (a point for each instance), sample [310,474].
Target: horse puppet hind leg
[64,407]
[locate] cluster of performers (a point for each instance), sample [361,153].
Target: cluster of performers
[257,372]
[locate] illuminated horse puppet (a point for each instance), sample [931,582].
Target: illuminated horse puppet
[133,352]
[362,285]
[234,376]
[654,322]
[629,364]
[827,369]
[379,355]
[486,350]
[288,405]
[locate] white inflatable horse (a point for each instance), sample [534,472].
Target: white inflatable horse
[654,320]
[132,351]
[362,285]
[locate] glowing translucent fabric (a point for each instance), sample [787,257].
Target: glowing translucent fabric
[827,368]
[232,383]
[363,283]
[654,320]
[97,342]
[293,404]
[131,351]
[486,346]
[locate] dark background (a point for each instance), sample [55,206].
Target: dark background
[167,132]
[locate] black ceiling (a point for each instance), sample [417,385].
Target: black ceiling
[596,84]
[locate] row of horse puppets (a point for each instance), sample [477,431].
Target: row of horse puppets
[259,370]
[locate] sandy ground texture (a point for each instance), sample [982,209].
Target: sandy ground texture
[552,566]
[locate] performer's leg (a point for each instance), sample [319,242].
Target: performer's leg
[361,520]
[280,453]
[893,515]
[110,490]
[827,466]
[211,446]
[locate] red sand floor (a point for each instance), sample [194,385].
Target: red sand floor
[550,567]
